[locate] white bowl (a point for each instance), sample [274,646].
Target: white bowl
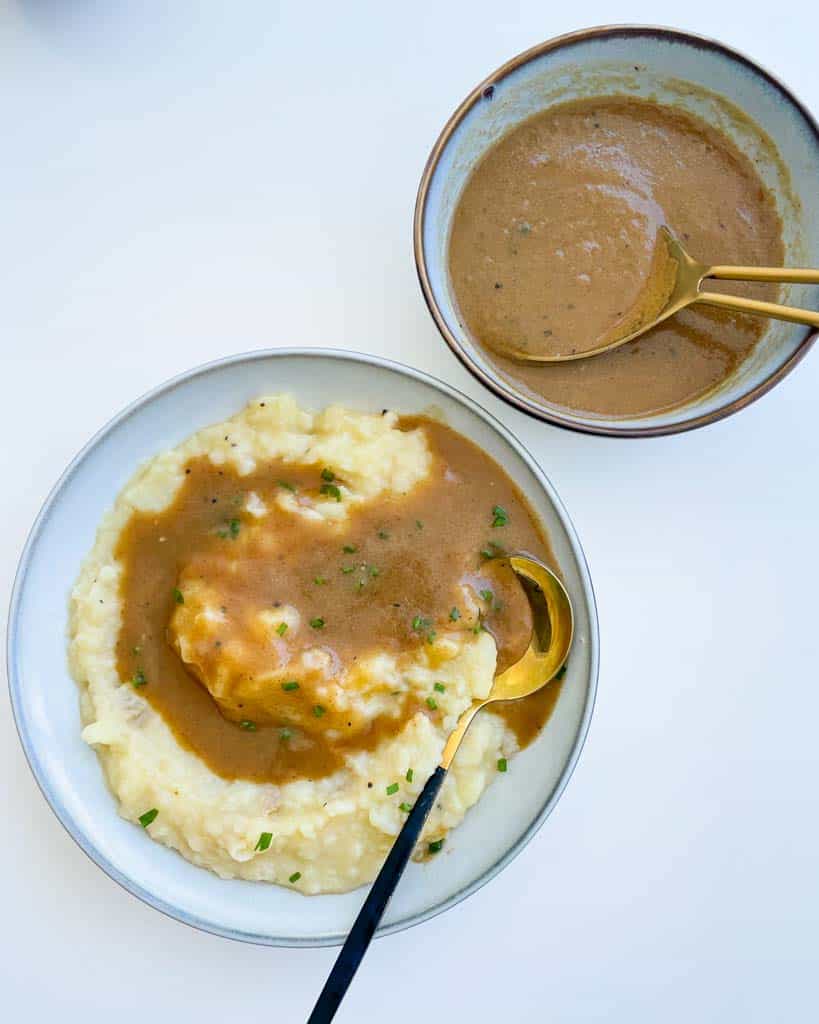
[45,699]
[651,63]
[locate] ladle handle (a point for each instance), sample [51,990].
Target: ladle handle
[783,275]
[759,308]
[357,942]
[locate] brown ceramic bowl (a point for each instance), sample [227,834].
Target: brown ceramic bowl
[636,61]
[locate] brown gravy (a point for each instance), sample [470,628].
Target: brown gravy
[389,582]
[553,239]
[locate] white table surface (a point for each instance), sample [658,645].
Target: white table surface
[182,181]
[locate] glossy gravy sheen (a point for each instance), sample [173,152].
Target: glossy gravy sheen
[553,238]
[388,582]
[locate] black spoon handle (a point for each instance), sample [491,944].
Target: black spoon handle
[357,942]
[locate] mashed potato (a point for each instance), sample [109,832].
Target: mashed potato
[329,834]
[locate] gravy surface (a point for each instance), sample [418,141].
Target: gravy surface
[390,582]
[553,242]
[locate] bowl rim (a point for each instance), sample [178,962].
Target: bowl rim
[493,381]
[132,885]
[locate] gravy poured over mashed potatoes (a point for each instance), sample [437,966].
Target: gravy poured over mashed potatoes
[278,626]
[553,246]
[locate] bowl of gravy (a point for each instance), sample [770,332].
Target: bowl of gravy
[538,214]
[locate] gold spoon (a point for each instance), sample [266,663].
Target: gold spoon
[553,627]
[675,282]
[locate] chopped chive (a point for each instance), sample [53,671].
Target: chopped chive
[562,672]
[440,687]
[350,549]
[291,684]
[392,788]
[139,678]
[419,623]
[234,525]
[454,615]
[146,818]
[286,486]
[501,764]
[332,490]
[222,533]
[281,629]
[487,595]
[317,623]
[418,524]
[431,636]
[405,807]
[432,704]
[320,580]
[318,710]
[384,534]
[478,627]
[347,569]
[295,876]
[500,517]
[247,725]
[328,475]
[408,776]
[136,650]
[491,550]
[285,734]
[374,571]
[178,596]
[436,846]
[264,841]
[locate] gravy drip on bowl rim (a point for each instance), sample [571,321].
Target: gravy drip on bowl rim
[553,239]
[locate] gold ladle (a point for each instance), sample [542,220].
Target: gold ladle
[553,627]
[675,282]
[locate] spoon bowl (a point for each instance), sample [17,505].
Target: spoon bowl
[675,281]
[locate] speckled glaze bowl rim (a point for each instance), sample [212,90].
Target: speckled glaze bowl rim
[75,830]
[494,381]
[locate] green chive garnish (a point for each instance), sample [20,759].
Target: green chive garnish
[264,841]
[295,876]
[281,629]
[349,549]
[320,581]
[440,687]
[501,764]
[409,775]
[454,615]
[332,490]
[285,734]
[146,818]
[405,807]
[500,517]
[491,550]
[234,525]
[437,846]
[432,704]
[487,595]
[392,788]
[317,623]
[136,650]
[178,596]
[139,678]
[328,475]
[374,571]
[291,684]
[247,725]
[318,710]
[347,569]
[286,486]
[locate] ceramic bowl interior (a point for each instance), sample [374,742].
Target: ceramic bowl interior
[656,64]
[45,699]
